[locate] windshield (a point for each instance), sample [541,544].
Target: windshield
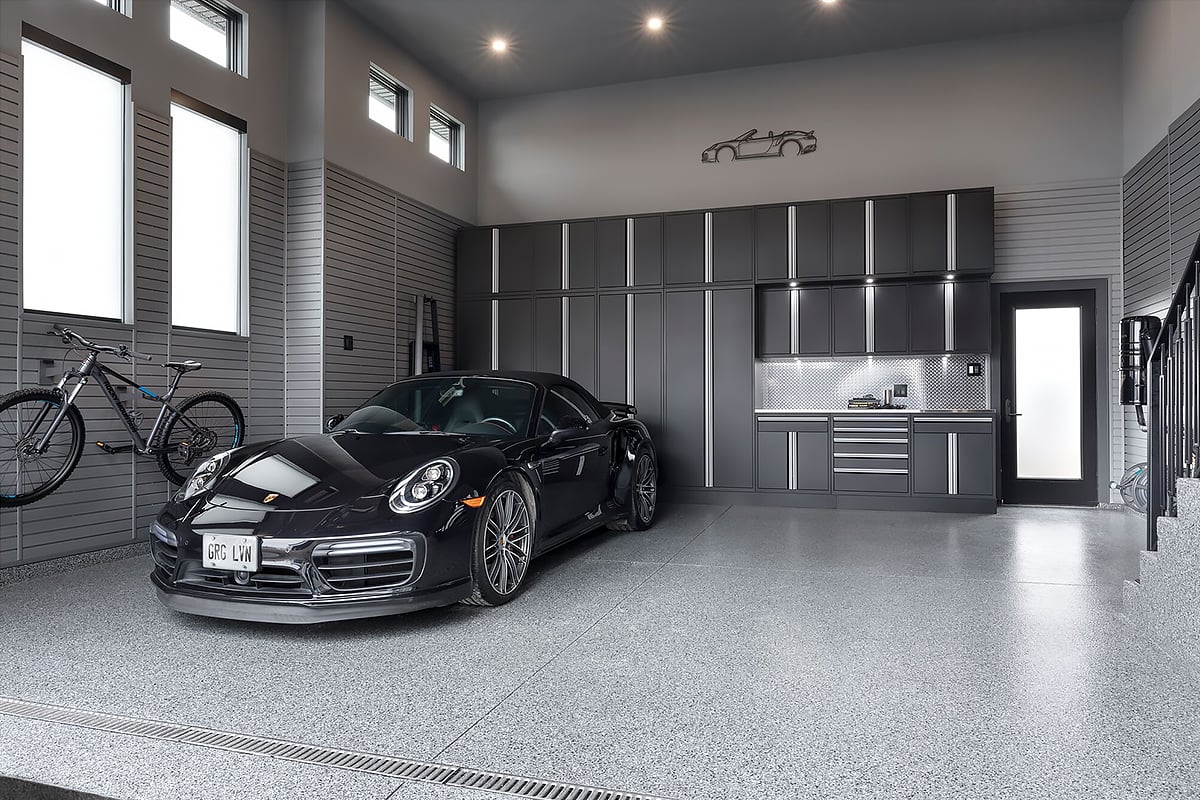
[479,406]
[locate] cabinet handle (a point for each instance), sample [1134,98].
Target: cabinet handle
[871,455]
[871,471]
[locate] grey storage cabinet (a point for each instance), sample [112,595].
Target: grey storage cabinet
[683,248]
[733,246]
[611,348]
[547,256]
[581,254]
[611,253]
[891,236]
[849,307]
[516,258]
[771,244]
[810,444]
[547,334]
[474,261]
[581,356]
[774,322]
[954,456]
[733,388]
[972,317]
[812,241]
[891,318]
[473,334]
[648,359]
[682,444]
[871,454]
[514,333]
[975,231]
[648,251]
[927,232]
[849,238]
[927,318]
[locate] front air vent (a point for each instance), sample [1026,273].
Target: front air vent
[269,579]
[165,556]
[355,566]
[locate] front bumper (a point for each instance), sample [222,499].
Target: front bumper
[310,571]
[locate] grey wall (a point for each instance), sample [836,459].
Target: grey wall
[1161,75]
[1162,222]
[1035,108]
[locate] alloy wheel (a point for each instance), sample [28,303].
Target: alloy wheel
[508,543]
[645,489]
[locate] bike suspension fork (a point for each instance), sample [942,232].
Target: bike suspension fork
[68,400]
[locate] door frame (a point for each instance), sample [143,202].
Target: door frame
[1103,410]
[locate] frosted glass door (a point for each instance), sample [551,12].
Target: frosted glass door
[1048,393]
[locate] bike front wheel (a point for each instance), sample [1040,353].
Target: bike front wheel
[205,424]
[29,472]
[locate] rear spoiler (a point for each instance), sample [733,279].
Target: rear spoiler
[620,409]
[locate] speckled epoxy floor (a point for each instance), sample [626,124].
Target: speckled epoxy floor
[739,652]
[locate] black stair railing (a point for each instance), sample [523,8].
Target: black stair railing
[1173,377]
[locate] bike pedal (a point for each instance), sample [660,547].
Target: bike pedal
[114,450]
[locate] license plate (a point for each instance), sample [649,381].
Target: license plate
[232,553]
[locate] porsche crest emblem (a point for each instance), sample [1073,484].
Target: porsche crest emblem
[271,497]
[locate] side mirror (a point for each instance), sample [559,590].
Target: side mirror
[568,428]
[333,422]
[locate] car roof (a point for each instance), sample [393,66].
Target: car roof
[544,379]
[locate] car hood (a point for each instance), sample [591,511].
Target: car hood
[324,471]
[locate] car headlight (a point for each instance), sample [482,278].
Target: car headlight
[423,487]
[204,477]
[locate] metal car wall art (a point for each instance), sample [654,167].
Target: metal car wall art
[439,489]
[751,145]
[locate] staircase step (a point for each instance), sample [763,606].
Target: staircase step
[1187,500]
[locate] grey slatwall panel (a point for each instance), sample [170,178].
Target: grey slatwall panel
[151,291]
[1062,232]
[1184,149]
[360,290]
[378,242]
[10,230]
[304,293]
[1147,252]
[268,202]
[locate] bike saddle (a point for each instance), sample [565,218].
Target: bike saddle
[183,366]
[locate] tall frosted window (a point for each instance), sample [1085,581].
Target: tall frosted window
[207,203]
[1049,393]
[73,201]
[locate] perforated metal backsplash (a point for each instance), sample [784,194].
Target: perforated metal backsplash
[939,382]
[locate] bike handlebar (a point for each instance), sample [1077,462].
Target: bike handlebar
[71,337]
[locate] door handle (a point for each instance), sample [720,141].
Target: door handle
[1008,412]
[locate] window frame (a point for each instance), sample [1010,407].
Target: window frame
[457,130]
[243,267]
[124,76]
[123,7]
[403,124]
[235,36]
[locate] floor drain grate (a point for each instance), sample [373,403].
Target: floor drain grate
[331,757]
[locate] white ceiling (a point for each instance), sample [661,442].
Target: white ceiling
[568,44]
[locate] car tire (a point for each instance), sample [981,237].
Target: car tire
[504,538]
[732,155]
[642,503]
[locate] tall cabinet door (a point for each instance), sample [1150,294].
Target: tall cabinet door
[648,360]
[682,444]
[683,248]
[516,258]
[733,388]
[813,305]
[975,235]
[611,348]
[514,334]
[473,335]
[581,354]
[890,305]
[612,253]
[547,334]
[771,243]
[775,322]
[547,256]
[927,318]
[647,251]
[890,236]
[812,240]
[474,261]
[927,232]
[972,317]
[581,255]
[733,246]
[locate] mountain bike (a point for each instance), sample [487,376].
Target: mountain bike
[42,432]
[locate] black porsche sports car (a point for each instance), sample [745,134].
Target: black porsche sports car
[438,489]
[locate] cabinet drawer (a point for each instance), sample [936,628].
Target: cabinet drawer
[801,424]
[850,446]
[887,463]
[895,424]
[951,425]
[870,482]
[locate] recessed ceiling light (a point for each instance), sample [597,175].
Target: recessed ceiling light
[655,23]
[499,45]
[829,2]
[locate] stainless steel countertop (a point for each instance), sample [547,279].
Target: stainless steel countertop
[897,411]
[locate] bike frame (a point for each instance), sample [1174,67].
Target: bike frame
[92,368]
